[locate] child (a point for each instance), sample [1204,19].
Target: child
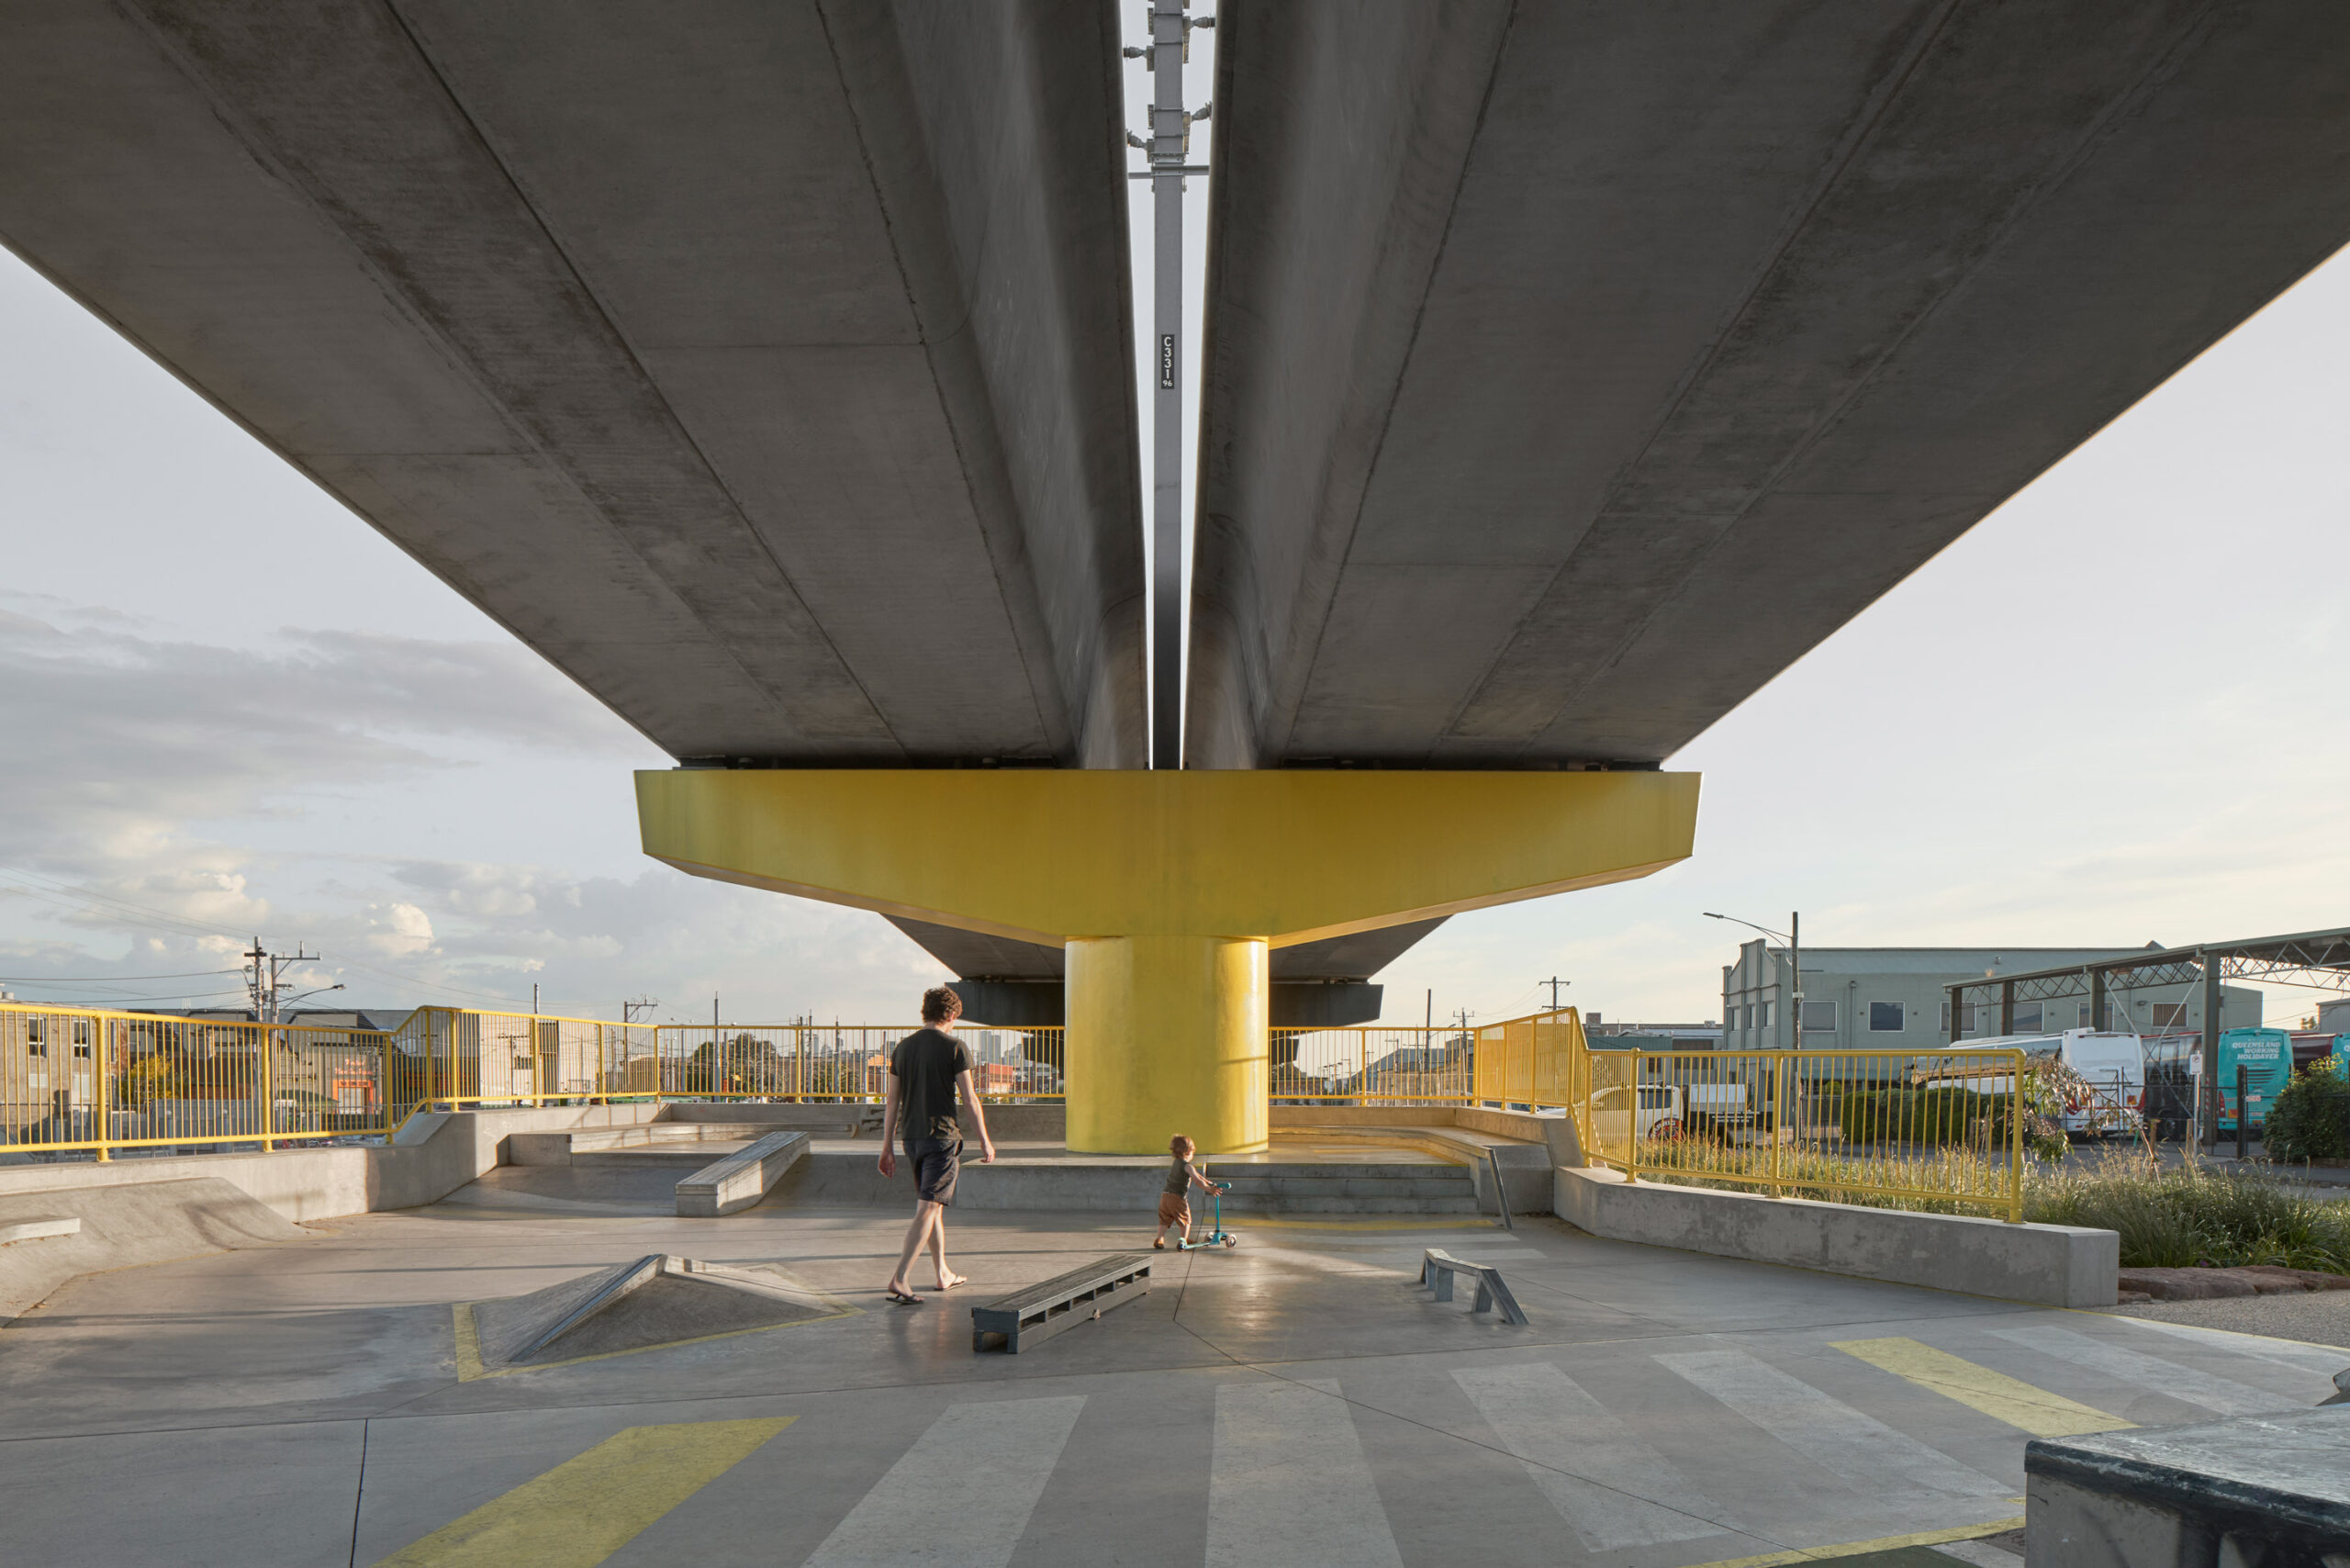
[1175,1198]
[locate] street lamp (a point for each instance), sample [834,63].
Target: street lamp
[1792,937]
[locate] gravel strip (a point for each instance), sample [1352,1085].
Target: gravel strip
[2321,1317]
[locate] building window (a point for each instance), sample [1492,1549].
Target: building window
[2028,1018]
[1818,1017]
[1885,1017]
[2170,1015]
[1944,1025]
[1766,1015]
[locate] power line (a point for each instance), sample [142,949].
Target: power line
[91,902]
[96,980]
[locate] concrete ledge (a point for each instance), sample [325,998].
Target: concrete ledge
[35,1229]
[742,1179]
[2051,1265]
[2266,1489]
[562,1148]
[850,1120]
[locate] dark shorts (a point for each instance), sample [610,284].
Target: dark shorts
[935,1165]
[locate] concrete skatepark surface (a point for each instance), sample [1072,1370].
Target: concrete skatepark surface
[1297,1401]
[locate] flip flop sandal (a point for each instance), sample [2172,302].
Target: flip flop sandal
[957,1284]
[902,1298]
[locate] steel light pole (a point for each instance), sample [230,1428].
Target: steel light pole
[1792,937]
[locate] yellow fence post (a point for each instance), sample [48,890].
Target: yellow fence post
[1780,1066]
[102,1056]
[268,1088]
[2015,1137]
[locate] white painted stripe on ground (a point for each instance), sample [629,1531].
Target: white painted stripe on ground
[1289,1486]
[2316,1359]
[962,1495]
[1859,1449]
[2222,1395]
[1611,1488]
[1981,1553]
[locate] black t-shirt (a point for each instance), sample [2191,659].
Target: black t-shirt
[925,1065]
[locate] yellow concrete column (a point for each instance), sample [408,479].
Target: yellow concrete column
[1167,889]
[1167,1034]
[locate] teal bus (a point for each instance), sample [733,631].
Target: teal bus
[2266,1056]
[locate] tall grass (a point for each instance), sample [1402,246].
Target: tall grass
[1954,1180]
[2177,1218]
[2167,1218]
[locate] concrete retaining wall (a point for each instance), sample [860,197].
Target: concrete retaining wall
[2053,1265]
[840,1177]
[436,1154]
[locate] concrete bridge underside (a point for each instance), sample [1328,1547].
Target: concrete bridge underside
[1570,370]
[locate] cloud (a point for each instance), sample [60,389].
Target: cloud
[124,739]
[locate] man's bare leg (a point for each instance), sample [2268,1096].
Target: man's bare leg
[927,1215]
[947,1278]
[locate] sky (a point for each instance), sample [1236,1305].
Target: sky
[2111,713]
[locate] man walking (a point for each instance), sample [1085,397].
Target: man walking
[926,1069]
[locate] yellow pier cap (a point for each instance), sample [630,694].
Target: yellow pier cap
[1166,888]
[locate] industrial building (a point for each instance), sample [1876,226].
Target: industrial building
[1858,999]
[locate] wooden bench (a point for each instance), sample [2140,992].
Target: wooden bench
[1062,1302]
[1437,1267]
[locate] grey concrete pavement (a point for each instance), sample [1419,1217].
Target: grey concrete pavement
[1687,1409]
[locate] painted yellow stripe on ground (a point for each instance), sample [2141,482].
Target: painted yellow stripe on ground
[2003,1398]
[589,1508]
[1854,1548]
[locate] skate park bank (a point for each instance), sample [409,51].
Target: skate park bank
[1365,1160]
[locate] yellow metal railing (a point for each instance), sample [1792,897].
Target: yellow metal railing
[1370,1066]
[1910,1127]
[1869,1126]
[93,1080]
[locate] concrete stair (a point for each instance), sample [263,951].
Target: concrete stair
[1370,1189]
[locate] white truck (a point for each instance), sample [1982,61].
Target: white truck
[2113,1065]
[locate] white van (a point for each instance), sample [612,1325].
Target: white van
[2114,1065]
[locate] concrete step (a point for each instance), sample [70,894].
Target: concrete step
[1396,1171]
[1234,1205]
[1350,1187]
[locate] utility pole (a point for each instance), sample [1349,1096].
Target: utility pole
[636,1004]
[261,977]
[534,998]
[1556,985]
[1169,143]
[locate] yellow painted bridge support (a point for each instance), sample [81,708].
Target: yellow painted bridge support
[1167,889]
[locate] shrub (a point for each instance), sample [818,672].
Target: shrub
[2181,1217]
[2312,1117]
[1918,1115]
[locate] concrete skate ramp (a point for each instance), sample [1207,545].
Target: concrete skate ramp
[655,1300]
[126,1226]
[742,1179]
[575,1189]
